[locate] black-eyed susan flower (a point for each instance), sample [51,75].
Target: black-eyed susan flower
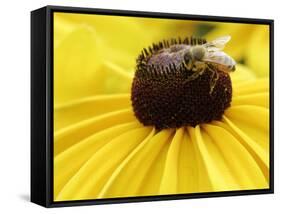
[107,144]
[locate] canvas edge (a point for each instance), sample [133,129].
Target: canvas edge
[38,153]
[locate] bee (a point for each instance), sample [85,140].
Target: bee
[208,56]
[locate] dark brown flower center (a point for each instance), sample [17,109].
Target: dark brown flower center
[161,95]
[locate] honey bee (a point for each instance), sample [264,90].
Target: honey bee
[209,56]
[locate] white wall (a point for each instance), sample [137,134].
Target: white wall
[15,99]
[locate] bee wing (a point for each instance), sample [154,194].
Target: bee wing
[218,44]
[219,57]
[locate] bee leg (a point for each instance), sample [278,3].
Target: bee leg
[197,71]
[202,69]
[192,77]
[214,78]
[188,64]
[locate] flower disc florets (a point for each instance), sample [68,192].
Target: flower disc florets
[162,97]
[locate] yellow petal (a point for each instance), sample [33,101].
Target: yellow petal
[84,108]
[251,123]
[70,135]
[95,172]
[258,99]
[241,165]
[218,176]
[136,166]
[260,85]
[201,181]
[251,118]
[151,183]
[169,183]
[188,166]
[260,154]
[68,162]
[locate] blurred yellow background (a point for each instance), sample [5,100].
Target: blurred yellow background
[88,48]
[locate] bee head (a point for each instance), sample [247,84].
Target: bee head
[187,55]
[198,52]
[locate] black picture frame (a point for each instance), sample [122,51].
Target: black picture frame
[42,105]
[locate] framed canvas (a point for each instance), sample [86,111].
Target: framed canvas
[131,106]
